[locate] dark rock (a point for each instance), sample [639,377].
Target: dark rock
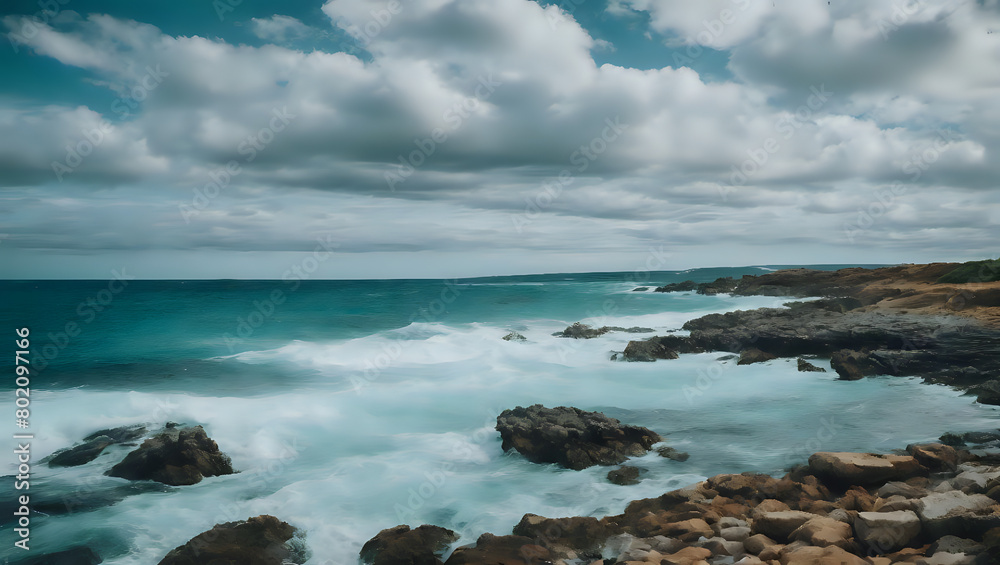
[403,546]
[678,287]
[632,330]
[754,355]
[980,438]
[672,454]
[94,445]
[935,456]
[807,367]
[582,331]
[514,336]
[648,351]
[718,286]
[175,457]
[585,535]
[263,540]
[954,440]
[75,556]
[852,365]
[988,392]
[624,475]
[954,544]
[84,453]
[501,550]
[571,437]
[640,289]
[119,435]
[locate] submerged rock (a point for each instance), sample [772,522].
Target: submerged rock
[624,475]
[571,437]
[807,367]
[423,545]
[175,457]
[672,454]
[753,355]
[262,540]
[514,336]
[648,351]
[94,444]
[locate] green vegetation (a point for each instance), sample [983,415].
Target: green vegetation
[974,271]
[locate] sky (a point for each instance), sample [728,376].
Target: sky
[450,138]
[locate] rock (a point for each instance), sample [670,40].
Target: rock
[943,558]
[677,287]
[582,331]
[959,514]
[896,488]
[688,530]
[175,457]
[847,468]
[809,555]
[980,438]
[718,286]
[821,532]
[735,533]
[94,444]
[807,367]
[754,355]
[263,540]
[887,532]
[687,556]
[584,535]
[757,543]
[501,550]
[988,392]
[954,440]
[852,365]
[955,544]
[624,475]
[640,289]
[722,546]
[514,336]
[672,454]
[648,351]
[80,454]
[402,546]
[571,437]
[934,456]
[119,435]
[780,525]
[991,541]
[768,505]
[80,555]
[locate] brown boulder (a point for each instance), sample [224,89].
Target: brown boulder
[175,457]
[262,540]
[753,355]
[809,555]
[934,456]
[822,532]
[780,525]
[403,546]
[846,469]
[583,534]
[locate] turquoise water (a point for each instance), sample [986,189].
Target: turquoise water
[353,406]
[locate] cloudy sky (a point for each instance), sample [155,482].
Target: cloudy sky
[442,138]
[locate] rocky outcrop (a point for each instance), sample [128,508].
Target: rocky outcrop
[863,469]
[514,336]
[400,545]
[583,331]
[624,475]
[263,540]
[571,437]
[175,457]
[648,351]
[807,367]
[501,550]
[94,444]
[752,355]
[672,454]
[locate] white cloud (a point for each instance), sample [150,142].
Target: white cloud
[279,28]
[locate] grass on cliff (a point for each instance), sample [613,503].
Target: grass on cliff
[974,271]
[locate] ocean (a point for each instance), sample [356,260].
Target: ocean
[353,406]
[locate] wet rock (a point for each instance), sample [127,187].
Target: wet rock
[582,331]
[262,540]
[853,365]
[754,355]
[672,454]
[845,468]
[583,535]
[648,351]
[640,289]
[807,367]
[501,550]
[624,475]
[571,437]
[119,435]
[934,456]
[685,286]
[514,336]
[988,392]
[94,444]
[887,532]
[175,457]
[402,546]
